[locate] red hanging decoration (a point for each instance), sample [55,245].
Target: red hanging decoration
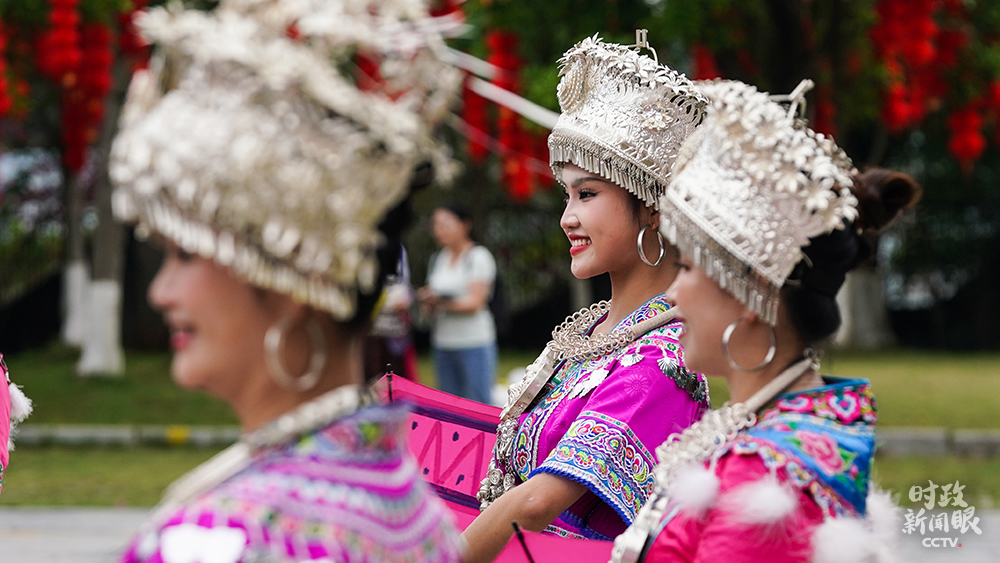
[967,142]
[58,49]
[474,113]
[74,128]
[704,65]
[825,112]
[130,42]
[6,102]
[515,144]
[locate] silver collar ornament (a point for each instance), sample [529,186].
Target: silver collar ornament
[624,115]
[252,146]
[569,342]
[750,188]
[700,442]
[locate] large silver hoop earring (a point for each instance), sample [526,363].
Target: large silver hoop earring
[273,340]
[642,253]
[729,358]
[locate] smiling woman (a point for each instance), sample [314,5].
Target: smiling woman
[573,452]
[272,180]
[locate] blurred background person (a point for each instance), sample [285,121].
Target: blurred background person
[389,345]
[460,281]
[279,190]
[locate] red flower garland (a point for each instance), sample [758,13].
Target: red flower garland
[58,50]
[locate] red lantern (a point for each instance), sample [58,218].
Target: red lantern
[966,143]
[474,113]
[704,67]
[5,100]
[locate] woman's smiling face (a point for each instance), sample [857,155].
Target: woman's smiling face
[217,322]
[600,222]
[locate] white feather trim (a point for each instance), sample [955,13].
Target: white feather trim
[20,406]
[762,502]
[842,540]
[884,520]
[695,489]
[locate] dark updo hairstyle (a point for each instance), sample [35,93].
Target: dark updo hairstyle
[811,290]
[392,228]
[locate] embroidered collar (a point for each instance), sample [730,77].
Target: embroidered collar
[847,401]
[822,438]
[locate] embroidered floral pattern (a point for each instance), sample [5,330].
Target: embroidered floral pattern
[597,445]
[601,449]
[347,493]
[824,441]
[829,456]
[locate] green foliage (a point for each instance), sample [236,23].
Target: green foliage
[26,256]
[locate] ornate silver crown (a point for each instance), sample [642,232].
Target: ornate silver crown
[750,189]
[249,143]
[624,116]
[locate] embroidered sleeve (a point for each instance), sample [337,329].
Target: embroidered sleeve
[608,447]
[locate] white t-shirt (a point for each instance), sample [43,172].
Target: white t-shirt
[462,330]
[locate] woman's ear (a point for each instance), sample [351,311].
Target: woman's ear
[654,218]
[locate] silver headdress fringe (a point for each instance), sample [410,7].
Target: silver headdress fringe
[248,142]
[624,117]
[750,188]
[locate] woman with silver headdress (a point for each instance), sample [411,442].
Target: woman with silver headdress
[279,190]
[769,217]
[573,452]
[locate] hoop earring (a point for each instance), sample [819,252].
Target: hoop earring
[729,334]
[274,338]
[642,253]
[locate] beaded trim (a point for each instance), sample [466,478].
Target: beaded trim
[243,256]
[729,271]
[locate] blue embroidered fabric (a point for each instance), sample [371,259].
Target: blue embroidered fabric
[824,440]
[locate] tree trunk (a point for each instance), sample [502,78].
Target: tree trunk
[865,317]
[76,274]
[102,348]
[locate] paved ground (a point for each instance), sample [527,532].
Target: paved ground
[97,535]
[66,535]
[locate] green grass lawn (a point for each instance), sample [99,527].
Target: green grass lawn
[913,388]
[145,395]
[60,476]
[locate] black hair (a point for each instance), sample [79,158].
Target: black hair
[635,205]
[392,228]
[810,292]
[458,210]
[462,213]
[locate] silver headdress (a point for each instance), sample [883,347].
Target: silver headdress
[750,189]
[624,116]
[249,143]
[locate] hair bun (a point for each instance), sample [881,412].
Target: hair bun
[882,194]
